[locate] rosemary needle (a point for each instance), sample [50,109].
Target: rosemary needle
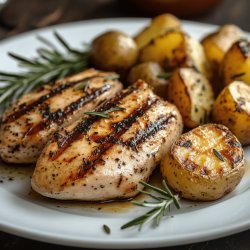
[163,198]
[164,75]
[104,114]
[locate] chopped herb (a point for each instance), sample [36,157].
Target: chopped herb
[112,77]
[164,75]
[237,75]
[205,117]
[106,229]
[81,86]
[104,114]
[161,204]
[218,154]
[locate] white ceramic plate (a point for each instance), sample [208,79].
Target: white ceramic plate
[26,215]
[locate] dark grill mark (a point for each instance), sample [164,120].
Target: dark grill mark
[151,130]
[84,126]
[105,143]
[26,108]
[60,115]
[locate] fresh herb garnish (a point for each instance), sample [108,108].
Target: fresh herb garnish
[164,75]
[81,86]
[237,75]
[218,154]
[104,114]
[106,229]
[205,120]
[49,64]
[162,201]
[112,77]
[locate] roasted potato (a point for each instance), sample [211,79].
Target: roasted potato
[158,26]
[219,42]
[113,50]
[232,108]
[176,49]
[236,63]
[149,72]
[192,93]
[205,163]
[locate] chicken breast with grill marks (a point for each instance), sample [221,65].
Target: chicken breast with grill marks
[30,122]
[99,158]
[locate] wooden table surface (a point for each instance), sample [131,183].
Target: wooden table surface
[22,15]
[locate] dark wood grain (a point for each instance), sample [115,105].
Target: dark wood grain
[23,15]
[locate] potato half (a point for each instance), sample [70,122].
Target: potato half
[236,63]
[149,72]
[192,93]
[219,42]
[176,49]
[158,26]
[232,109]
[215,46]
[205,163]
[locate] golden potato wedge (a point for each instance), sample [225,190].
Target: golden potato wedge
[232,109]
[176,49]
[205,163]
[236,63]
[158,26]
[219,42]
[149,72]
[215,46]
[192,93]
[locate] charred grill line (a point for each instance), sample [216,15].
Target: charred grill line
[26,108]
[150,130]
[60,115]
[119,129]
[84,126]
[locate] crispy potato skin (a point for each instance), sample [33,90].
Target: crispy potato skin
[149,72]
[176,49]
[113,50]
[193,169]
[158,26]
[232,109]
[192,93]
[236,63]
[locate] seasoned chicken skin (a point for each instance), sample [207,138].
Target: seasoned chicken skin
[29,123]
[99,158]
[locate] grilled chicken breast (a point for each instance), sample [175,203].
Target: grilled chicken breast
[99,158]
[30,122]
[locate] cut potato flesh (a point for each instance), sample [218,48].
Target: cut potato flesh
[236,63]
[192,93]
[176,49]
[232,109]
[204,163]
[158,26]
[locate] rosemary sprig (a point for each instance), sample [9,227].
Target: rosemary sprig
[104,114]
[218,154]
[49,64]
[162,201]
[164,75]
